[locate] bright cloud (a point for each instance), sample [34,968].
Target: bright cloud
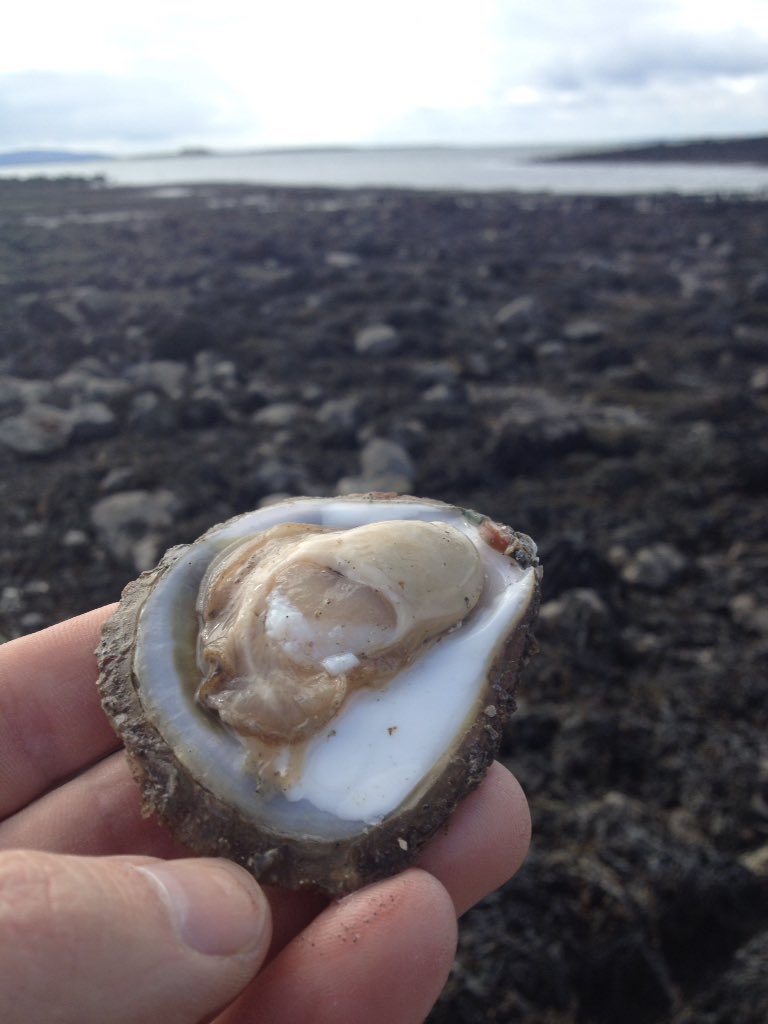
[164,73]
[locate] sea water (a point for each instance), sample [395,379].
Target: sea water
[492,169]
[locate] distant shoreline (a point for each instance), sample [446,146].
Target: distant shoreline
[27,157]
[700,151]
[745,150]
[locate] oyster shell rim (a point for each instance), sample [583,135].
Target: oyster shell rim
[209,826]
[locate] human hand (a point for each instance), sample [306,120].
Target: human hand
[104,918]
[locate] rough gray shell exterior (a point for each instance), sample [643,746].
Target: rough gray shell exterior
[210,827]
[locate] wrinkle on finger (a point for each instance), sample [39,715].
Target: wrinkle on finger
[97,813]
[51,721]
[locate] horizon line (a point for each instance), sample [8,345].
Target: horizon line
[192,151]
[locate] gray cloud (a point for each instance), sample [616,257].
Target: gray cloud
[583,68]
[91,108]
[637,62]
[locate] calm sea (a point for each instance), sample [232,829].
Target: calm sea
[470,169]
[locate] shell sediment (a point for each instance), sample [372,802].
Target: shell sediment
[307,689]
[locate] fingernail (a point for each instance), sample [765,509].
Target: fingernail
[215,906]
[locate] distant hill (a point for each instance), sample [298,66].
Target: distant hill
[47,156]
[709,151]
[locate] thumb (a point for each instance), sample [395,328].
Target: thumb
[126,940]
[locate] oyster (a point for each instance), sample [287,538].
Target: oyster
[310,689]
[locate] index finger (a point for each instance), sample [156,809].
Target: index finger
[51,721]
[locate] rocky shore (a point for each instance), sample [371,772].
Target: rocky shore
[748,150]
[593,371]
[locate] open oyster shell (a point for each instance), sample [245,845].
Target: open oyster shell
[310,689]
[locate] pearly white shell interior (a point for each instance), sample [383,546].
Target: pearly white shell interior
[384,745]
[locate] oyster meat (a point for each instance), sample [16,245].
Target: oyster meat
[310,689]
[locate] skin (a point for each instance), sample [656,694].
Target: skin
[103,917]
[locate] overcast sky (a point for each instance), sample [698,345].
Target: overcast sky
[159,74]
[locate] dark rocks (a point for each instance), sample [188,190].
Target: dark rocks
[39,430]
[656,567]
[131,525]
[757,287]
[278,415]
[275,477]
[45,315]
[17,391]
[205,407]
[150,413]
[91,420]
[517,313]
[579,614]
[384,466]
[749,613]
[96,305]
[583,330]
[617,429]
[377,340]
[167,377]
[536,426]
[740,994]
[213,372]
[342,417]
[89,379]
[342,260]
[584,963]
[184,337]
